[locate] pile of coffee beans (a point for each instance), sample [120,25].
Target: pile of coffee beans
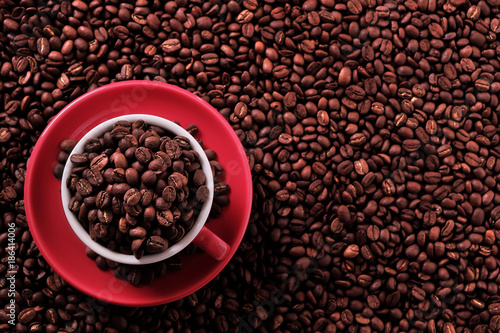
[136,189]
[371,129]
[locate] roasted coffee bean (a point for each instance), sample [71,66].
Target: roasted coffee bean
[155,244]
[143,155]
[99,162]
[27,315]
[83,187]
[171,46]
[202,193]
[361,167]
[169,194]
[79,159]
[94,177]
[68,145]
[132,197]
[351,252]
[92,145]
[165,217]
[103,199]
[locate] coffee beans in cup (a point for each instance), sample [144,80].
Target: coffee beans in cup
[136,188]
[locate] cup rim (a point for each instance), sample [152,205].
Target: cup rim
[129,259]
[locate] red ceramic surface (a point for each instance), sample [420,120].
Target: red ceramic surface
[56,240]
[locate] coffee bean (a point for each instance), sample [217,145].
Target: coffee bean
[418,293]
[155,244]
[83,187]
[448,328]
[436,30]
[354,6]
[345,76]
[171,46]
[132,197]
[281,71]
[351,251]
[358,139]
[94,177]
[472,160]
[27,315]
[165,217]
[411,145]
[121,32]
[210,59]
[79,159]
[373,232]
[99,162]
[345,167]
[361,167]
[244,16]
[355,93]
[202,193]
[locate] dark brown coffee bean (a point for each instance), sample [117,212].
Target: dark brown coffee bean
[43,46]
[361,167]
[448,328]
[105,216]
[388,187]
[169,194]
[143,155]
[373,232]
[79,159]
[93,145]
[432,177]
[103,199]
[221,188]
[202,193]
[132,176]
[436,30]
[26,315]
[83,187]
[345,167]
[94,177]
[355,93]
[472,160]
[345,76]
[418,293]
[149,178]
[165,217]
[354,6]
[137,232]
[99,162]
[358,139]
[121,32]
[156,244]
[411,145]
[132,197]
[281,71]
[171,46]
[351,251]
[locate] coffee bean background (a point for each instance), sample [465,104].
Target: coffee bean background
[371,129]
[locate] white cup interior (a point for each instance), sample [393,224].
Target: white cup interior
[83,234]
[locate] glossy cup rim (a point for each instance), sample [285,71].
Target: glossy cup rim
[201,219]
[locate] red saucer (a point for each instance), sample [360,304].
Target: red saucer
[61,247]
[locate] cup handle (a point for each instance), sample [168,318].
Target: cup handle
[212,244]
